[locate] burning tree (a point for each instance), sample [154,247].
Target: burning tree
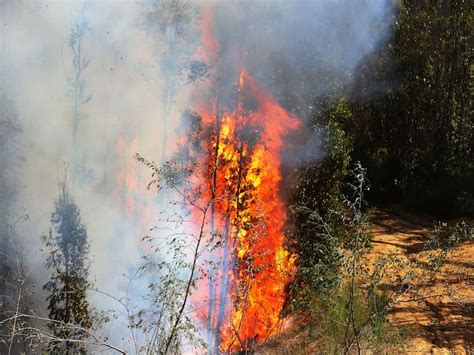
[247,216]
[242,138]
[229,160]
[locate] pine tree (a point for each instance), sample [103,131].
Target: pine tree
[68,260]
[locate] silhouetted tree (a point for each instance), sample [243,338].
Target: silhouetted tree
[76,90]
[79,64]
[69,263]
[172,24]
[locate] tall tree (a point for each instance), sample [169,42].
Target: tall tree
[172,26]
[79,63]
[68,260]
[76,89]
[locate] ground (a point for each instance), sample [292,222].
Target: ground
[437,309]
[443,322]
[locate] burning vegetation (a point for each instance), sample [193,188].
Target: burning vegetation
[237,158]
[242,175]
[275,125]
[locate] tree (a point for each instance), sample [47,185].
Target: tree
[167,323]
[412,108]
[349,314]
[15,287]
[172,26]
[68,260]
[318,188]
[76,88]
[407,116]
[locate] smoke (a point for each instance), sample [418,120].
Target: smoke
[121,119]
[301,49]
[297,49]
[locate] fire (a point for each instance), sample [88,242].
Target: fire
[130,193]
[127,179]
[241,153]
[231,149]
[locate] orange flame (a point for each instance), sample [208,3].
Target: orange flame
[130,191]
[242,155]
[248,177]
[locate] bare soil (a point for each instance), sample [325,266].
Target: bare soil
[441,317]
[437,309]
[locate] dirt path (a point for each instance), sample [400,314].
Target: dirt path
[443,322]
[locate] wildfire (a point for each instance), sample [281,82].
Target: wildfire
[242,155]
[127,179]
[129,189]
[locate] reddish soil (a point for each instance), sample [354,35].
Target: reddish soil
[441,317]
[437,307]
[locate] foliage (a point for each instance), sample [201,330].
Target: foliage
[166,324]
[370,320]
[168,274]
[412,109]
[351,312]
[16,295]
[68,260]
[314,215]
[444,239]
[407,116]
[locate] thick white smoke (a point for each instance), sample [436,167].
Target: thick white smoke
[122,118]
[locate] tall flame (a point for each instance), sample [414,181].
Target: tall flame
[242,155]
